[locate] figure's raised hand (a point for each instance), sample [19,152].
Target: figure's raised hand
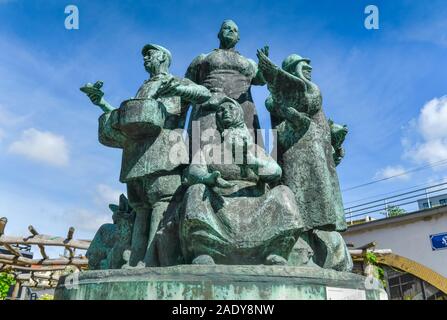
[265,50]
[263,55]
[267,67]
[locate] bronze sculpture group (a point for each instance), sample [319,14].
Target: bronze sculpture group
[218,197]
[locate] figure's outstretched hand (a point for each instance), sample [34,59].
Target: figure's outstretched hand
[96,95]
[94,92]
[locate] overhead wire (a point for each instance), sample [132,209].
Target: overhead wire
[402,194]
[427,184]
[431,165]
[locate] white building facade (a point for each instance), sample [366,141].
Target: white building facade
[408,235]
[421,237]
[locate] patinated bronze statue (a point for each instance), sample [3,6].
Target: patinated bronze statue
[226,71]
[144,127]
[227,205]
[210,213]
[238,206]
[112,239]
[306,154]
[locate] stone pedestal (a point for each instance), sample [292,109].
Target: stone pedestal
[203,282]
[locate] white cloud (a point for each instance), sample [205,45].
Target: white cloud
[433,119]
[391,171]
[436,181]
[42,146]
[8,122]
[8,119]
[49,215]
[88,221]
[431,133]
[431,151]
[106,195]
[432,31]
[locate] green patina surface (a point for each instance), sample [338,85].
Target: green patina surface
[254,226]
[189,282]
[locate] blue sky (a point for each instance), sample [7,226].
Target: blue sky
[387,85]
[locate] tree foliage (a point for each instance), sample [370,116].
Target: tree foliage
[6,281]
[393,211]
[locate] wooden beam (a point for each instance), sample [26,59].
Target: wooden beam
[416,269]
[70,234]
[360,252]
[15,292]
[367,246]
[27,261]
[37,268]
[13,250]
[41,247]
[46,241]
[40,285]
[28,276]
[3,222]
[69,237]
[33,230]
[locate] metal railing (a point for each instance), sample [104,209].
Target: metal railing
[401,203]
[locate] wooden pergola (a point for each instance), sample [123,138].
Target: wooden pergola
[43,272]
[390,259]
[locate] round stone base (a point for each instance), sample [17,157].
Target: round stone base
[217,282]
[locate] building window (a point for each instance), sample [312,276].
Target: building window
[443,202]
[405,286]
